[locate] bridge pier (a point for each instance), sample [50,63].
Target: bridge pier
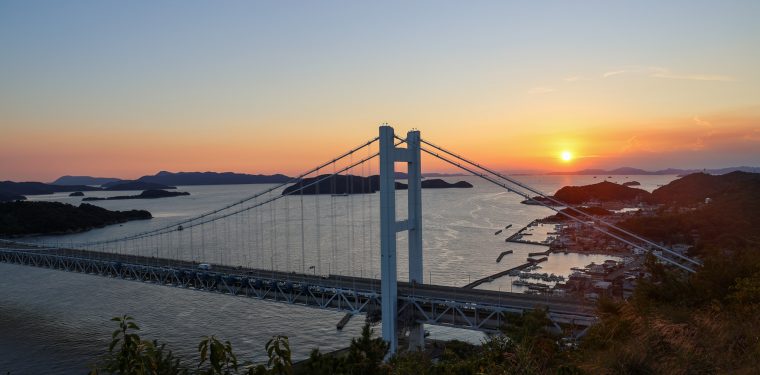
[388,272]
[389,155]
[414,179]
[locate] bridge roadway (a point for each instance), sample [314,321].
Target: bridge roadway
[483,310]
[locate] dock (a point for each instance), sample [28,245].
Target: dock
[547,252]
[503,253]
[343,321]
[515,237]
[531,262]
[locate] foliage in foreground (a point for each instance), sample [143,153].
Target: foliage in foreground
[128,354]
[527,348]
[704,323]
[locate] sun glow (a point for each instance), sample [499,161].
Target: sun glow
[566,156]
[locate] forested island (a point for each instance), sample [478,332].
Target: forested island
[147,194]
[10,197]
[39,188]
[350,184]
[134,185]
[29,218]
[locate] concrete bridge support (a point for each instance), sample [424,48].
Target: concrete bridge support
[389,155]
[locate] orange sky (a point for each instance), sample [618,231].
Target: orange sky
[129,90]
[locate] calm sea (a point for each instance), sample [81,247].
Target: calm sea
[56,322]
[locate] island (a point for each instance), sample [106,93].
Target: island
[632,183]
[77,194]
[600,192]
[31,218]
[10,197]
[84,180]
[39,188]
[135,185]
[213,178]
[350,184]
[437,183]
[147,194]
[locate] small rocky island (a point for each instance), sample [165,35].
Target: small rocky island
[77,194]
[632,183]
[350,184]
[147,194]
[30,218]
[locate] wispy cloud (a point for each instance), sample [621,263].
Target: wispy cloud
[614,73]
[572,79]
[665,73]
[700,121]
[541,90]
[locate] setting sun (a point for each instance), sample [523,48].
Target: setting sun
[566,156]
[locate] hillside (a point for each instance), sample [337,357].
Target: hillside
[694,188]
[25,218]
[732,216]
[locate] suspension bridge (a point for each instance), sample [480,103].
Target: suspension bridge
[284,244]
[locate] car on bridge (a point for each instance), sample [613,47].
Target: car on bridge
[204,266]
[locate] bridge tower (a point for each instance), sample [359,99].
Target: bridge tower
[389,227]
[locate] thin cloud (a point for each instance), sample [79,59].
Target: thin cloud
[665,73]
[541,90]
[699,121]
[614,73]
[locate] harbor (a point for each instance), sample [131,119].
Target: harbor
[538,234]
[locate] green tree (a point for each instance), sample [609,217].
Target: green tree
[216,357]
[129,355]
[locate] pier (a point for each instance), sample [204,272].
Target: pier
[343,321]
[503,253]
[531,262]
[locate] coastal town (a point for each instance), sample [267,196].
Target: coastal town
[578,230]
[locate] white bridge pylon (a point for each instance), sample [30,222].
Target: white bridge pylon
[389,227]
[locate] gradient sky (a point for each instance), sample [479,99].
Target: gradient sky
[127,88]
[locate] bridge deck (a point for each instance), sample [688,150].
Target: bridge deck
[483,310]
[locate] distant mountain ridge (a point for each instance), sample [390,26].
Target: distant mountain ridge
[84,180]
[669,171]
